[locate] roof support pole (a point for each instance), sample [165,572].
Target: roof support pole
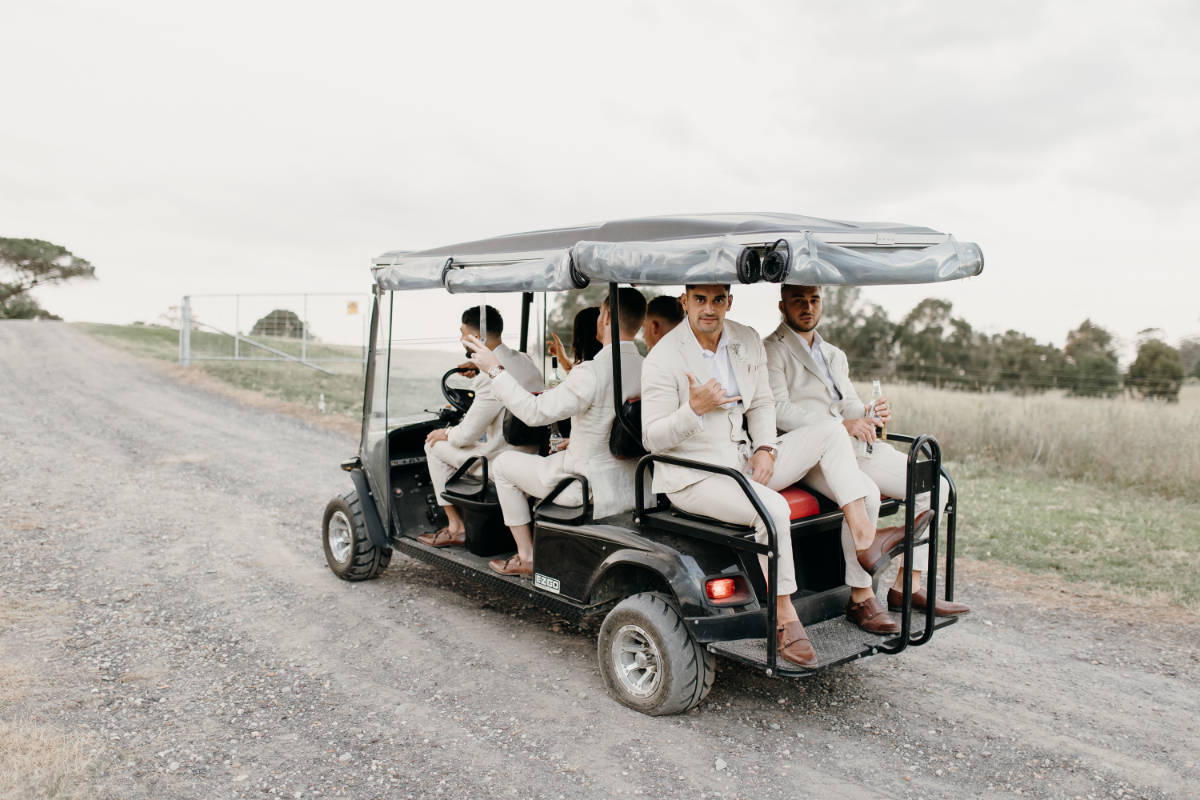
[615,343]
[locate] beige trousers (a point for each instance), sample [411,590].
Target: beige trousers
[801,450]
[887,468]
[442,459]
[518,477]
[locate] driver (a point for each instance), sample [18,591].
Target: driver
[586,396]
[479,432]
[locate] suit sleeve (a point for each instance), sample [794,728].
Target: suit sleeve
[666,422]
[788,415]
[479,416]
[760,415]
[572,396]
[851,404]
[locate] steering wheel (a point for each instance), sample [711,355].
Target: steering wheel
[461,399]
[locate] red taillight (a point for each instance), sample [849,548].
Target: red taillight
[720,588]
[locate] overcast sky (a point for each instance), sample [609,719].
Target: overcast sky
[249,146]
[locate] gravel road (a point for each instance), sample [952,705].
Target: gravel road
[169,628]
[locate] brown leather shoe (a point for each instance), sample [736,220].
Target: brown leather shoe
[887,539]
[794,645]
[444,538]
[513,565]
[871,617]
[941,608]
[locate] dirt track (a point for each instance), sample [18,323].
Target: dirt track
[166,615]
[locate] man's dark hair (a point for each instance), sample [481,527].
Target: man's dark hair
[666,308]
[631,309]
[690,286]
[495,322]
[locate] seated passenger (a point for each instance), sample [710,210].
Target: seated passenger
[663,313]
[700,383]
[811,380]
[584,344]
[586,396]
[479,432]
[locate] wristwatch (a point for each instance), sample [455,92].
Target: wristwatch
[769,450]
[494,371]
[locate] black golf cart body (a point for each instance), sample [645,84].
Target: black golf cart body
[653,567]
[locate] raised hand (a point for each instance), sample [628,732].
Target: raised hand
[481,356]
[704,397]
[557,350]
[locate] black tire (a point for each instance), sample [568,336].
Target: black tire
[683,670]
[360,559]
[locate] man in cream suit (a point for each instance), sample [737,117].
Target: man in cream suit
[586,396]
[479,432]
[700,383]
[810,379]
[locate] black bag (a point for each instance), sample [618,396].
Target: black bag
[623,443]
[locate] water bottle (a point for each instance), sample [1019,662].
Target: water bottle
[876,396]
[556,438]
[553,379]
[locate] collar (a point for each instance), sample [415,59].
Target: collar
[722,342]
[817,340]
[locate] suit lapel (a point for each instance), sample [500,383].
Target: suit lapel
[792,342]
[694,362]
[741,369]
[827,353]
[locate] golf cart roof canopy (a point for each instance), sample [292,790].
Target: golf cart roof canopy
[701,248]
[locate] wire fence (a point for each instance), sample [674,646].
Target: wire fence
[314,329]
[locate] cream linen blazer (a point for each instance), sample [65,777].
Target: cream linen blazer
[670,427]
[586,396]
[481,430]
[798,386]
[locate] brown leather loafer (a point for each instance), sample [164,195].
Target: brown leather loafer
[795,646]
[444,538]
[871,617]
[941,608]
[887,539]
[513,565]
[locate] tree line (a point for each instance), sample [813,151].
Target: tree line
[931,345]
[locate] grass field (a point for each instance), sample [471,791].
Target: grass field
[1151,446]
[1093,491]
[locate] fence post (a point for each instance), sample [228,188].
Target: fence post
[185,331]
[304,332]
[237,325]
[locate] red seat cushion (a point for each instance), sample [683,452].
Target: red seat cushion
[801,502]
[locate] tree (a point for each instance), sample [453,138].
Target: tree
[281,322]
[1089,339]
[1189,355]
[1091,367]
[862,330]
[28,263]
[1156,372]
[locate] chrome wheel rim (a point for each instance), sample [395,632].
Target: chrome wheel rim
[637,660]
[340,537]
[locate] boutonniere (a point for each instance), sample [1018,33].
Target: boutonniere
[735,350]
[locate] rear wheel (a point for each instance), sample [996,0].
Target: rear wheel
[649,660]
[348,547]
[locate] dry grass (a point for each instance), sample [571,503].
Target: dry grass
[39,762]
[1150,446]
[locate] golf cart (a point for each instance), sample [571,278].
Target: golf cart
[674,589]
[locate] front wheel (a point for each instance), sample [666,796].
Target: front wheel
[649,660]
[348,547]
